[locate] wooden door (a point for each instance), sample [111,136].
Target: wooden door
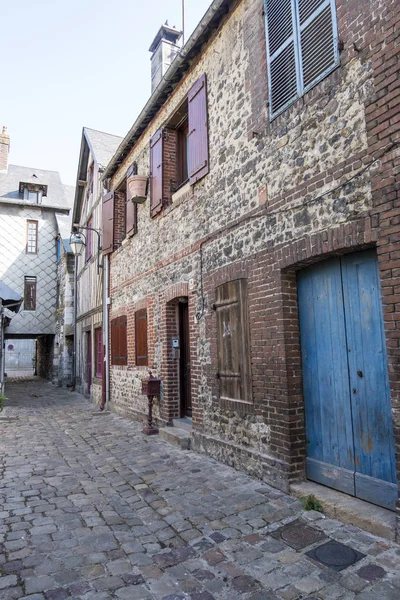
[89,360]
[350,444]
[184,362]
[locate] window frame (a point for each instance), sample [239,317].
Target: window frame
[28,223]
[298,28]
[30,282]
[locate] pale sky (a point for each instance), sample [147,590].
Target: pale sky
[66,64]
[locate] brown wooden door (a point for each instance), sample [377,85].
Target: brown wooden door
[184,363]
[89,360]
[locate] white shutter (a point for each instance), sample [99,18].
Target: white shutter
[282,54]
[318,43]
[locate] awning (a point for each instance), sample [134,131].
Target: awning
[9,298]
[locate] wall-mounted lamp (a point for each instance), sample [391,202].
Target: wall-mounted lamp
[78,241]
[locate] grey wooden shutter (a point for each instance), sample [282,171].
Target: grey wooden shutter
[282,55]
[234,365]
[198,162]
[318,40]
[108,223]
[156,173]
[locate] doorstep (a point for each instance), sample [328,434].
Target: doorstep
[179,433]
[367,516]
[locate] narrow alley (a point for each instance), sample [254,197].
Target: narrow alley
[91,508]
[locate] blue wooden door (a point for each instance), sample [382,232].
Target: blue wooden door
[350,444]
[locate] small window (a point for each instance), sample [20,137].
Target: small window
[58,249]
[119,348]
[30,293]
[234,366]
[31,237]
[99,353]
[302,48]
[141,352]
[89,238]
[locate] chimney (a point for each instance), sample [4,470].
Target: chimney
[4,150]
[164,49]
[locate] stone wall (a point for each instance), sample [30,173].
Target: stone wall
[63,350]
[319,180]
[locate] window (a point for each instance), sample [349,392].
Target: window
[119,349]
[31,237]
[89,238]
[99,352]
[30,293]
[179,151]
[141,358]
[234,366]
[302,47]
[58,249]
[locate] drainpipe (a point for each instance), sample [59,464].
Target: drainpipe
[106,286]
[74,353]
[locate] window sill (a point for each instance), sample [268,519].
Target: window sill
[184,190]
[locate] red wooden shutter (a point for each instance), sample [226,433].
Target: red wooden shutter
[234,366]
[198,130]
[119,346]
[99,353]
[156,173]
[141,337]
[131,214]
[108,223]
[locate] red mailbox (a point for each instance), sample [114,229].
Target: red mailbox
[151,387]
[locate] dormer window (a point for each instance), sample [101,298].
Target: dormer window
[32,192]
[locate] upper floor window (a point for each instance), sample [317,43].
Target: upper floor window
[31,237]
[32,192]
[179,151]
[30,293]
[89,238]
[302,47]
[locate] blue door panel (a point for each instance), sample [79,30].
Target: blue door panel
[325,371]
[350,442]
[368,372]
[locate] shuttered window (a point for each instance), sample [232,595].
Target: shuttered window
[141,351]
[108,223]
[156,173]
[119,348]
[234,366]
[99,352]
[131,207]
[30,293]
[198,131]
[302,47]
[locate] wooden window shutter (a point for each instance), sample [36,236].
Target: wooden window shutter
[119,345]
[234,365]
[156,173]
[141,337]
[198,130]
[282,55]
[318,41]
[108,223]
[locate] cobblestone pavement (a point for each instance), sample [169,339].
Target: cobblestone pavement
[92,509]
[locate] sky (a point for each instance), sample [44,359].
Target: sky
[66,64]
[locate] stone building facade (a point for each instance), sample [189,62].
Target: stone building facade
[30,199]
[292,182]
[97,148]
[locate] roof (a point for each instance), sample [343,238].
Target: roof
[102,145]
[58,195]
[10,299]
[178,69]
[64,225]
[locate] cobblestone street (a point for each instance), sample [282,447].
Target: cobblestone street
[93,509]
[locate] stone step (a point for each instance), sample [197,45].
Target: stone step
[178,437]
[185,423]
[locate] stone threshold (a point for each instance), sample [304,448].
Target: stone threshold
[350,510]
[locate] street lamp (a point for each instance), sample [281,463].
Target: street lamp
[78,241]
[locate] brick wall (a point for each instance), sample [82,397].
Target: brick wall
[320,180]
